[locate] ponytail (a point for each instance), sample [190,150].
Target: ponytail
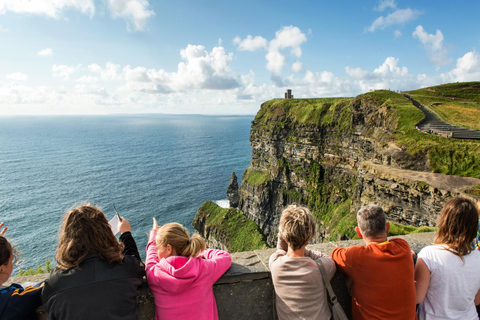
[194,246]
[177,236]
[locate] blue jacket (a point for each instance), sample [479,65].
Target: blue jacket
[19,303]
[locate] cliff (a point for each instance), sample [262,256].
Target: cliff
[335,155]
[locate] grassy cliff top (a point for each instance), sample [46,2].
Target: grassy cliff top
[448,156]
[456,103]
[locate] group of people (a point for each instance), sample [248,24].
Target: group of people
[386,279]
[99,277]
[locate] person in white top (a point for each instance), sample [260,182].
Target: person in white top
[446,274]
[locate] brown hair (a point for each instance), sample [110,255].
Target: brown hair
[297,226]
[6,251]
[177,236]
[85,229]
[457,226]
[371,220]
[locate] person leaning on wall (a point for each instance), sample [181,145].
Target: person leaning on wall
[96,276]
[382,271]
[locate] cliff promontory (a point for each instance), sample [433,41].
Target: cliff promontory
[334,155]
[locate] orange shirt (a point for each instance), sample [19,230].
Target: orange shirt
[382,279]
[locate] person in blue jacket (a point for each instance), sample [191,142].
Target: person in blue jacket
[16,302]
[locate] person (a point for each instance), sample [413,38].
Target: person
[299,288]
[477,239]
[181,273]
[16,302]
[381,272]
[96,276]
[446,275]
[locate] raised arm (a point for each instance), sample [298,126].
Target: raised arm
[127,239]
[152,258]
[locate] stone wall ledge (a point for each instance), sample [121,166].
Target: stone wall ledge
[246,291]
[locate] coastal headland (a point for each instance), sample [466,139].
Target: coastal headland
[334,155]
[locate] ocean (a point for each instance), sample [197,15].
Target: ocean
[162,166]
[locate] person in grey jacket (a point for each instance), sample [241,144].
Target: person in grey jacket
[96,277]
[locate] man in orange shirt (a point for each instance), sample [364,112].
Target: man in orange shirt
[382,271]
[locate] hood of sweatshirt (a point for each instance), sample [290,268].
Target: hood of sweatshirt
[177,273]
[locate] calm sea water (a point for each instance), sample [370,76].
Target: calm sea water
[162,166]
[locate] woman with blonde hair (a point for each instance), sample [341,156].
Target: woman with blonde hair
[446,273]
[96,276]
[181,273]
[299,288]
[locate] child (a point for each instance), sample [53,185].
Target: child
[299,287]
[181,273]
[96,276]
[448,281]
[15,301]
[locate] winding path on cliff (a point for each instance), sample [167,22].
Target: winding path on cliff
[434,124]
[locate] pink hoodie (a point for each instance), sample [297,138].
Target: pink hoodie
[182,286]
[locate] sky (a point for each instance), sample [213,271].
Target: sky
[224,57]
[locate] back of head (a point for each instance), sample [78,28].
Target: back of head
[371,221]
[297,226]
[457,225]
[177,236]
[85,230]
[6,251]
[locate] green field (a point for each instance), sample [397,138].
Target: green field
[456,103]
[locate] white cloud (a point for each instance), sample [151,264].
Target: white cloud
[297,66]
[3,29]
[87,79]
[356,73]
[275,62]
[50,8]
[63,71]
[135,12]
[433,43]
[250,43]
[400,16]
[17,76]
[47,52]
[467,69]
[397,33]
[287,37]
[384,4]
[219,42]
[110,72]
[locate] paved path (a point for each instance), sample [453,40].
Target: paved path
[434,124]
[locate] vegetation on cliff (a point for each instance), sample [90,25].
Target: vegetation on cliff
[447,156]
[238,233]
[456,103]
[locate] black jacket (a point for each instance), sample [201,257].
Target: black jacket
[96,289]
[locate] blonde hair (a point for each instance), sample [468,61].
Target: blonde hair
[457,226]
[177,236]
[85,229]
[297,226]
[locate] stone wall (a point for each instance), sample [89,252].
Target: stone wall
[246,290]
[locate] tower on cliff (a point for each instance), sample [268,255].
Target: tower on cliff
[288,94]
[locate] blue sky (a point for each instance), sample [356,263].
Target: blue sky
[224,57]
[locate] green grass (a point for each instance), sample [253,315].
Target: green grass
[256,177]
[239,232]
[447,156]
[400,229]
[474,191]
[39,270]
[456,103]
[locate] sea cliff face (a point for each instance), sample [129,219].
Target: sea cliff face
[333,156]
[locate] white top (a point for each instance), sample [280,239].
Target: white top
[453,284]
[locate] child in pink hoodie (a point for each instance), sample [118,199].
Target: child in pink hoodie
[181,273]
